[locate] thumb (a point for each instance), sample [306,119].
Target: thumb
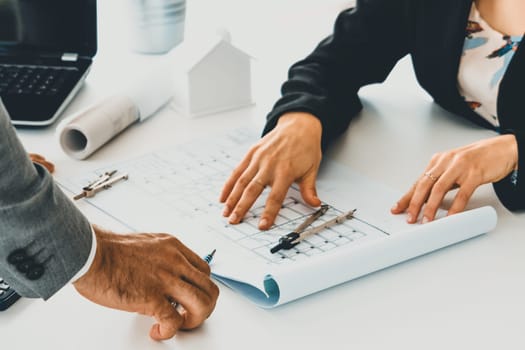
[308,189]
[168,324]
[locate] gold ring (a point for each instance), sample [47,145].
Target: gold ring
[430,176]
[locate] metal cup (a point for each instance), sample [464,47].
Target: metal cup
[156,25]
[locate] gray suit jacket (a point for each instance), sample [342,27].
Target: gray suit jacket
[44,239]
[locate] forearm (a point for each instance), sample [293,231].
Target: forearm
[38,218]
[19,177]
[326,83]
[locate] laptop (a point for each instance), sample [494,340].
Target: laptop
[46,51]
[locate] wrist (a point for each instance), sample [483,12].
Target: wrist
[97,263]
[90,258]
[512,149]
[302,122]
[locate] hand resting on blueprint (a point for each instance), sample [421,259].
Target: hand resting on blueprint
[466,168]
[290,153]
[160,273]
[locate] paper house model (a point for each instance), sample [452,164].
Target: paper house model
[211,75]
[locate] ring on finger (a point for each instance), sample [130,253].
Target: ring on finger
[178,307]
[431,176]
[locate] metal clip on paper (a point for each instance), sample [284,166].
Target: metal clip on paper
[104,182]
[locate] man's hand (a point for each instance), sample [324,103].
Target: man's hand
[148,274]
[465,168]
[290,152]
[37,158]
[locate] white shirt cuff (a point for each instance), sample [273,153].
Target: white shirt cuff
[89,260]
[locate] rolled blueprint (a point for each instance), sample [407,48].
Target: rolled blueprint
[82,134]
[92,128]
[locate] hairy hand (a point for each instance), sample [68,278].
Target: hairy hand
[37,158]
[290,152]
[465,168]
[147,273]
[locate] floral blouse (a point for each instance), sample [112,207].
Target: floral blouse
[486,56]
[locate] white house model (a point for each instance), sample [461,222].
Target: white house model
[211,75]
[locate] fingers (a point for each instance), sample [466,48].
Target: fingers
[194,259]
[442,186]
[461,199]
[237,172]
[191,298]
[232,207]
[252,182]
[290,152]
[189,284]
[401,205]
[274,202]
[308,188]
[424,188]
[192,302]
[169,321]
[188,301]
[197,278]
[197,295]
[430,191]
[466,167]
[194,293]
[37,158]
[147,271]
[248,196]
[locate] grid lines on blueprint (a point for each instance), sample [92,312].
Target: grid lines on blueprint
[188,180]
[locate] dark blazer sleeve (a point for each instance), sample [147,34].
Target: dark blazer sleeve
[511,189]
[44,239]
[367,42]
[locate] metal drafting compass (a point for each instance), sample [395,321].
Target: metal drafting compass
[296,236]
[104,182]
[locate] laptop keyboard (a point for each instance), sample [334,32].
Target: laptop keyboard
[33,80]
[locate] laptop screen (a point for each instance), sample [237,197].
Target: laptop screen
[49,25]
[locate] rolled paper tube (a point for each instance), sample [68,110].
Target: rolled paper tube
[82,134]
[85,132]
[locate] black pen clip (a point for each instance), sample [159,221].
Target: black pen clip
[286,242]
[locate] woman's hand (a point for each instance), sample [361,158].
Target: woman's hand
[465,168]
[151,274]
[37,158]
[290,152]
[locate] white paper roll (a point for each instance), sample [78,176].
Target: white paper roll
[84,133]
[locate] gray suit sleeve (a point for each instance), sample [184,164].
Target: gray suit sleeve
[44,238]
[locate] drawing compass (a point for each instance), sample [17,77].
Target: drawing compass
[296,236]
[104,182]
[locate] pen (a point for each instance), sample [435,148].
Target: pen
[208,258]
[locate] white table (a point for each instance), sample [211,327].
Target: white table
[469,296]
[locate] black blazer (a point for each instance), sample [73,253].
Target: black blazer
[369,40]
